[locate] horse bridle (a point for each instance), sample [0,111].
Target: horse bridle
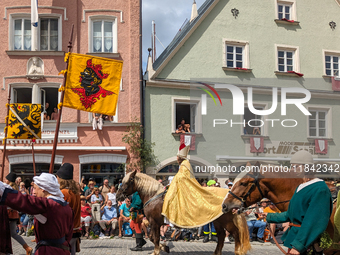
[255,184]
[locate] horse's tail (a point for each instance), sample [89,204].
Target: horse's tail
[241,223]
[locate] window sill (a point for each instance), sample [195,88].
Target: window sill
[247,137]
[312,139]
[105,55]
[295,74]
[232,69]
[286,22]
[34,53]
[327,76]
[178,134]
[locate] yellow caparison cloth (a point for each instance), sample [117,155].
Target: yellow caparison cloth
[92,84]
[187,204]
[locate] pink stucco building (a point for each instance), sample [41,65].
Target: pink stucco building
[31,59]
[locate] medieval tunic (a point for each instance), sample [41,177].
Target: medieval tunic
[187,204]
[59,216]
[310,207]
[5,234]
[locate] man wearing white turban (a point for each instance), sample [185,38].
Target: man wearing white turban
[53,219]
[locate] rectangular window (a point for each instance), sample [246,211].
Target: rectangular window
[317,123]
[22,95]
[49,30]
[22,34]
[49,102]
[255,123]
[285,60]
[332,65]
[186,112]
[103,36]
[101,171]
[234,56]
[284,11]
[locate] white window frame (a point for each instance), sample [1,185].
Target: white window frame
[296,57]
[291,3]
[189,101]
[51,16]
[331,54]
[328,122]
[13,17]
[237,43]
[114,32]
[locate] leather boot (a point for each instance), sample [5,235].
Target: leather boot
[138,246]
[28,249]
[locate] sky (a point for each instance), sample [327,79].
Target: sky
[169,15]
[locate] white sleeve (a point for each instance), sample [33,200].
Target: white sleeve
[3,186]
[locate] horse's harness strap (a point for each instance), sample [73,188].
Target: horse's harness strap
[155,197]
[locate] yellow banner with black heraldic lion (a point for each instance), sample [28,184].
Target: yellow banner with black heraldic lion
[24,121]
[92,84]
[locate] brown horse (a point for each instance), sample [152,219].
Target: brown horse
[250,187]
[148,188]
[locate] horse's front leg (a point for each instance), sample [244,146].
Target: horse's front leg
[155,234]
[221,236]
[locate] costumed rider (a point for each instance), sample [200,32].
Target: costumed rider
[210,228]
[309,209]
[71,194]
[53,219]
[136,221]
[187,204]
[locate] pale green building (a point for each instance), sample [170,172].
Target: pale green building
[258,45]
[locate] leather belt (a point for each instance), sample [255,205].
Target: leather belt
[294,225]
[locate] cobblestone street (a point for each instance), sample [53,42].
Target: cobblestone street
[122,247]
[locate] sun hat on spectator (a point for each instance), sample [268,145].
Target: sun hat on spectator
[230,183]
[302,157]
[264,200]
[82,197]
[211,182]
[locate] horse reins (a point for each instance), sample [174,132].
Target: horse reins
[255,183]
[155,197]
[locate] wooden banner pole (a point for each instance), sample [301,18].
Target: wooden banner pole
[55,142]
[33,157]
[5,137]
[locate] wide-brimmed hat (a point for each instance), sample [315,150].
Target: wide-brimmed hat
[65,171]
[265,200]
[302,157]
[11,177]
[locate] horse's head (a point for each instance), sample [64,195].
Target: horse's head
[245,192]
[128,186]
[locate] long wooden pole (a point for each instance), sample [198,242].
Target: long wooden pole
[6,133]
[55,142]
[33,159]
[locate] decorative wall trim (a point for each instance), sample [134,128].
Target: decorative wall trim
[102,10]
[39,158]
[25,76]
[41,7]
[102,158]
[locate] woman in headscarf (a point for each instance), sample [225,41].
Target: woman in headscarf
[53,219]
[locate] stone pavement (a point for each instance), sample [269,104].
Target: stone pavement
[122,247]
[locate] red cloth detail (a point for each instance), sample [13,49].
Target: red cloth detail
[84,212]
[136,226]
[88,101]
[252,145]
[5,235]
[299,74]
[289,20]
[317,147]
[193,141]
[239,68]
[182,146]
[335,84]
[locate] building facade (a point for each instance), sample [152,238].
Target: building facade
[250,57]
[32,57]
